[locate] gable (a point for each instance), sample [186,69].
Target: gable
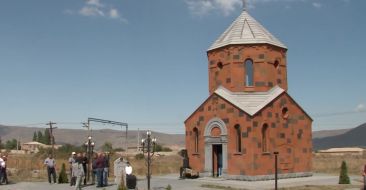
[249,102]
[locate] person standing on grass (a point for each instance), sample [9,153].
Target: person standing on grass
[72,161]
[78,171]
[51,164]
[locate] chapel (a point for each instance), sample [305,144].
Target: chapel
[248,114]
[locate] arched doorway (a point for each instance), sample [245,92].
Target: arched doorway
[215,148]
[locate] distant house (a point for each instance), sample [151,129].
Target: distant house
[33,147]
[343,151]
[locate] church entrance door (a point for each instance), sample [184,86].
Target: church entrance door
[217,160]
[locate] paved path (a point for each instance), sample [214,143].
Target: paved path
[161,182]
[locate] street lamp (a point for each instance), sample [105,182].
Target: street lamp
[276,169]
[148,147]
[89,146]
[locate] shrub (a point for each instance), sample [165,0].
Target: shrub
[62,177]
[343,177]
[169,187]
[139,156]
[166,149]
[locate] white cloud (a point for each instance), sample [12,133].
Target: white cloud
[95,8]
[91,11]
[228,6]
[113,13]
[96,3]
[199,7]
[360,108]
[203,7]
[317,5]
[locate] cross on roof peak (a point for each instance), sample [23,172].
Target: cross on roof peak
[244,5]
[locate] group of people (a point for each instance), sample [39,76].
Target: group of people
[3,174]
[78,169]
[100,167]
[77,166]
[100,170]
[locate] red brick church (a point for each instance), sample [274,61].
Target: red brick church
[249,114]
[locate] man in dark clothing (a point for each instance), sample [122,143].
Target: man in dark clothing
[131,181]
[94,167]
[185,164]
[106,169]
[51,164]
[84,163]
[100,162]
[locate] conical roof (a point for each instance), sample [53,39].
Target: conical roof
[246,30]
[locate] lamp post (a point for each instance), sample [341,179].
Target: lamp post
[148,147]
[276,169]
[89,146]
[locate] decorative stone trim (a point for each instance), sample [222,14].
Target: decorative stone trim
[215,122]
[259,177]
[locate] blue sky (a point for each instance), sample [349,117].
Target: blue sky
[144,62]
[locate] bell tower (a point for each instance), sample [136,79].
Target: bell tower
[247,58]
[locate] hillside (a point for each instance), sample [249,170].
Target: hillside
[329,133]
[353,137]
[78,136]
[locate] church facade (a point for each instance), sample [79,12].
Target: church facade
[248,115]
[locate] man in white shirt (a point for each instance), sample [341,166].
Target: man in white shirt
[131,180]
[71,162]
[1,168]
[51,164]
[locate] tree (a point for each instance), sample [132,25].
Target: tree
[46,137]
[62,177]
[343,177]
[34,136]
[107,147]
[158,148]
[11,144]
[40,137]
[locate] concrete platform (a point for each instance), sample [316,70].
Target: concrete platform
[161,182]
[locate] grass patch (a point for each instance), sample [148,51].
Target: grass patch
[331,164]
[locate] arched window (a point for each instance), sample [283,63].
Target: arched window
[249,72]
[220,65]
[195,133]
[276,64]
[265,138]
[285,113]
[238,138]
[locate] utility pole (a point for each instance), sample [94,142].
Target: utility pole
[52,138]
[138,139]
